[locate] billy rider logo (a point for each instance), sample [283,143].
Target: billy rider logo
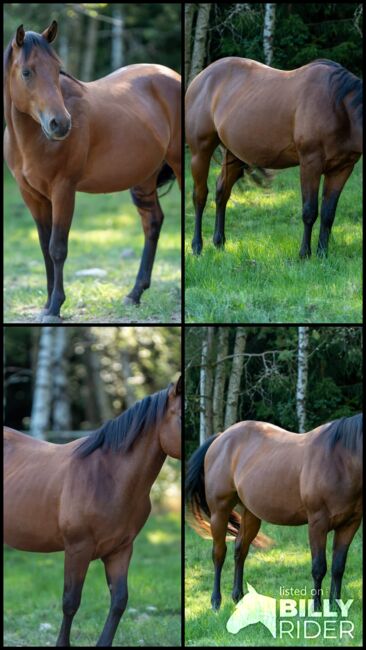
[294,619]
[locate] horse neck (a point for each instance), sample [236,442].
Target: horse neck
[146,455]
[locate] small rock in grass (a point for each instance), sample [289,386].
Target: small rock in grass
[151,608]
[45,626]
[95,273]
[127,253]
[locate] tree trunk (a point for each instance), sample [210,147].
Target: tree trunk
[90,50]
[117,37]
[41,407]
[268,31]
[220,376]
[302,377]
[189,12]
[200,38]
[235,377]
[61,414]
[130,396]
[206,385]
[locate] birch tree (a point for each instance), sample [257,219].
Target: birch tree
[61,414]
[41,406]
[90,49]
[189,12]
[219,382]
[235,377]
[200,39]
[206,384]
[268,31]
[302,376]
[117,37]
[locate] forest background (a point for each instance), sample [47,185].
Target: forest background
[294,377]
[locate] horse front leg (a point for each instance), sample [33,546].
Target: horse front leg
[343,537]
[146,200]
[76,565]
[116,569]
[333,186]
[249,527]
[318,529]
[63,202]
[41,210]
[310,172]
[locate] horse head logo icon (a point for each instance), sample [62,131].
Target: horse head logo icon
[253,608]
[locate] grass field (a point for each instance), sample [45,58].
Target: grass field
[106,233]
[33,594]
[259,277]
[287,564]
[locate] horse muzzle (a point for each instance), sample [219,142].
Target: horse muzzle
[56,128]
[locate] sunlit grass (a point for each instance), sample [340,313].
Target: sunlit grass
[33,594]
[106,233]
[259,276]
[287,564]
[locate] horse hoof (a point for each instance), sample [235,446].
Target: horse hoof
[131,301]
[48,318]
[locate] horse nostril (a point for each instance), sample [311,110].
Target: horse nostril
[53,124]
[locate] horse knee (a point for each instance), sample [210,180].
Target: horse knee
[58,251]
[71,602]
[119,603]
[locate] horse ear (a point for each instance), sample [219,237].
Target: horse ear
[51,32]
[19,36]
[178,386]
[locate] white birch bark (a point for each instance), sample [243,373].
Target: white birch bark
[302,377]
[200,38]
[235,378]
[219,383]
[117,37]
[61,414]
[268,31]
[90,49]
[41,407]
[206,385]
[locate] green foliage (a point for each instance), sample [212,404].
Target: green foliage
[303,32]
[268,384]
[33,594]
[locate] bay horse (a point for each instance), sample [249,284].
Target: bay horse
[283,478]
[90,497]
[268,118]
[120,132]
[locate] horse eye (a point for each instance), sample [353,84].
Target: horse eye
[26,73]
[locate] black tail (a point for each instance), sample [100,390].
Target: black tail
[195,495]
[195,479]
[165,175]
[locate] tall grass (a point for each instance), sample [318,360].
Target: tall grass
[259,277]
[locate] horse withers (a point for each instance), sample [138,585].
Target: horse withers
[120,132]
[283,478]
[269,118]
[90,497]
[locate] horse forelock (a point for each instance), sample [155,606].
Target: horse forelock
[120,433]
[347,431]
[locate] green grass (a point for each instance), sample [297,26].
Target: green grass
[259,278]
[287,564]
[105,226]
[33,594]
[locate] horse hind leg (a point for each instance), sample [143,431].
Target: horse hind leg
[200,165]
[219,522]
[232,169]
[249,527]
[146,200]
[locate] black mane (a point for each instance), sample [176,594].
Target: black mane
[342,82]
[347,431]
[120,434]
